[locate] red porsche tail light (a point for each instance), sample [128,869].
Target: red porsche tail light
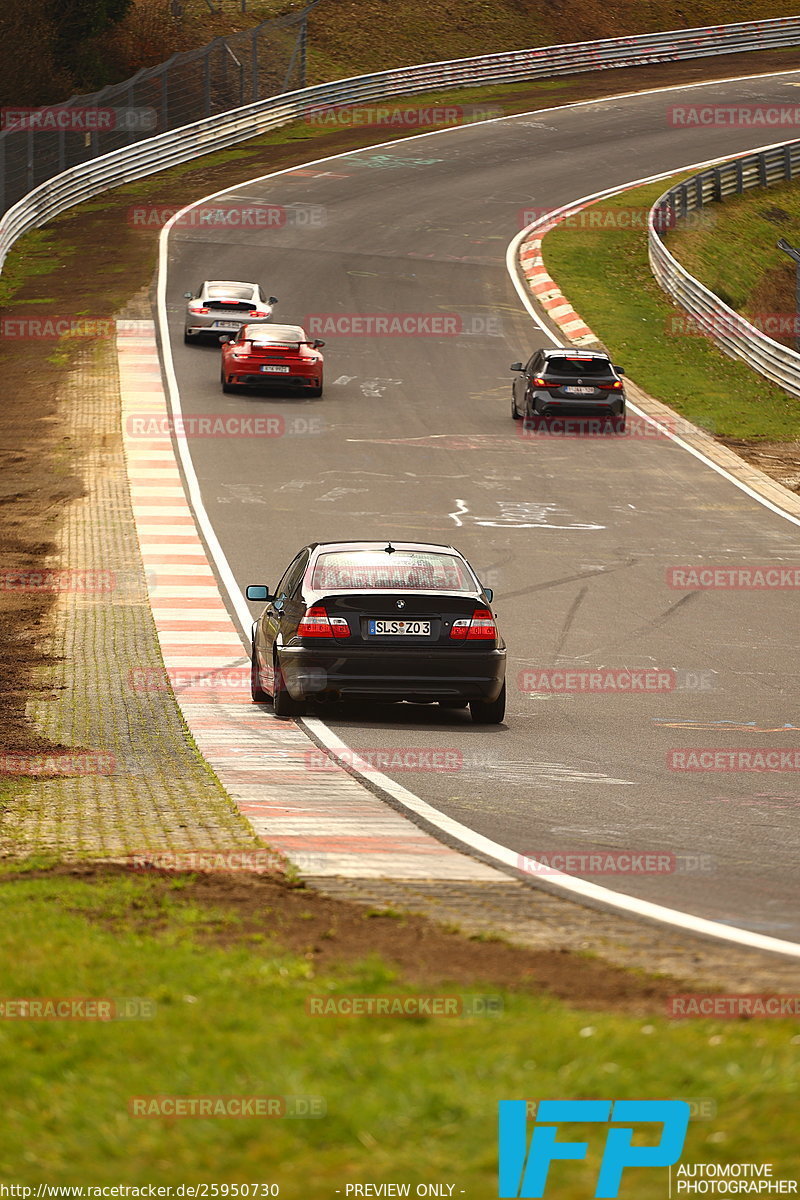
[479,627]
[317,623]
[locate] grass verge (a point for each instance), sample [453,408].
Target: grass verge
[603,270]
[733,252]
[407,1098]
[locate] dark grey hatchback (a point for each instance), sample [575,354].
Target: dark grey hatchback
[381,621]
[564,382]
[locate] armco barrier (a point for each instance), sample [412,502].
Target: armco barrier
[226,129]
[736,336]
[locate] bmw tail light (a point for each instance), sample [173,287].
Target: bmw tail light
[616,386]
[317,623]
[538,381]
[479,627]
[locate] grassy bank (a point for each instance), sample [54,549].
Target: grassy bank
[734,253]
[600,262]
[411,1099]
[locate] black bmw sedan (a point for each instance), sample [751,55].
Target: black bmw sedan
[385,621]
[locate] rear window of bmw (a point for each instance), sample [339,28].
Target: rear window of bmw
[577,366]
[373,570]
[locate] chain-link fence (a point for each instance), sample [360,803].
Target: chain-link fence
[231,71]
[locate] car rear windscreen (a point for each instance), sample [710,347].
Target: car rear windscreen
[230,293]
[268,334]
[577,366]
[409,570]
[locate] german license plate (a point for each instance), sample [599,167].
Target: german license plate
[400,628]
[579,391]
[270,370]
[226,325]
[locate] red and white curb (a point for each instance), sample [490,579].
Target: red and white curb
[546,291]
[293,795]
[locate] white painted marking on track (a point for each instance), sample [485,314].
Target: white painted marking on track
[456,516]
[440,821]
[374,388]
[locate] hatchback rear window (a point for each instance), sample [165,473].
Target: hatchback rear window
[372,570]
[577,366]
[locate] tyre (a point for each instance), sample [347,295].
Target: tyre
[313,391]
[619,425]
[515,416]
[188,338]
[282,702]
[226,387]
[489,712]
[256,691]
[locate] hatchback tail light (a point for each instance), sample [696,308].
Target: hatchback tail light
[538,381]
[479,627]
[317,623]
[615,386]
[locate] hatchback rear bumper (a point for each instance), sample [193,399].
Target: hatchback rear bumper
[397,674]
[613,405]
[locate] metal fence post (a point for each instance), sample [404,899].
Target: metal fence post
[303,51]
[254,61]
[164,100]
[29,162]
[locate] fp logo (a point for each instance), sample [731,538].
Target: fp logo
[523,1172]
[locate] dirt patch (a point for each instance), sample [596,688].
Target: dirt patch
[86,265]
[781,460]
[249,909]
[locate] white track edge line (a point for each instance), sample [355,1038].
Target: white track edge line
[567,883]
[407,799]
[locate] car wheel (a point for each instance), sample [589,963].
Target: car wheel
[256,691]
[226,387]
[188,337]
[515,415]
[452,704]
[619,425]
[489,712]
[282,702]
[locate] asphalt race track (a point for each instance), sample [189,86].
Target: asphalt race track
[413,439]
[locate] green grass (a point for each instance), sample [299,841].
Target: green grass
[407,1099]
[733,250]
[605,274]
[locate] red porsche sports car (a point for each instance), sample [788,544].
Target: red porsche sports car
[272,356]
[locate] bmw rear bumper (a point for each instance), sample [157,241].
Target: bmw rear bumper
[392,674]
[543,403]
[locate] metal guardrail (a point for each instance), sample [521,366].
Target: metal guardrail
[736,336]
[158,153]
